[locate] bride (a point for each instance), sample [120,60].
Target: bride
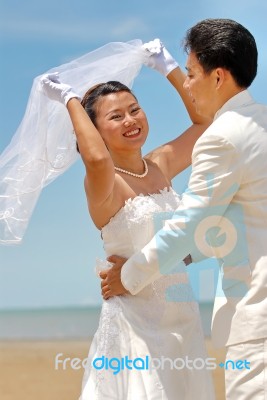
[149,346]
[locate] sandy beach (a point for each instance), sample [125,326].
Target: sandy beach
[28,370]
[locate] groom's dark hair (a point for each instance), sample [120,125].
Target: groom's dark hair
[227,44]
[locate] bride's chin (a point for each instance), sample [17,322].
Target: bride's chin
[136,143]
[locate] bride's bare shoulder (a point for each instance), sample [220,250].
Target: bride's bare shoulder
[102,213]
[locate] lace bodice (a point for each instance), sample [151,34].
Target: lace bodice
[137,222]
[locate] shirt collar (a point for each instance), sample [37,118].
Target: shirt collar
[236,101]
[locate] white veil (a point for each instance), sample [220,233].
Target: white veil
[44,145]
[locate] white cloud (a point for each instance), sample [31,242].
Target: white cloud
[102,29]
[130,26]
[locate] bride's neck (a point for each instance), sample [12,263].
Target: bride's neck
[132,162]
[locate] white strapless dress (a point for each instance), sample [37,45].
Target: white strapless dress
[149,346]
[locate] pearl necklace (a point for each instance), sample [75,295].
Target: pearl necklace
[131,173]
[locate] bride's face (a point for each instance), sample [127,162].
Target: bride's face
[121,121]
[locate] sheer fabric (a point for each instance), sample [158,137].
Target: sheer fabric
[44,145]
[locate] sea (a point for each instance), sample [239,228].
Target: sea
[68,323]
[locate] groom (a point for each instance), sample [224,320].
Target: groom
[227,194]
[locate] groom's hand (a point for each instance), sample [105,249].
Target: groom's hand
[111,278]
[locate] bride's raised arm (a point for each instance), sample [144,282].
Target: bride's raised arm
[99,166]
[174,156]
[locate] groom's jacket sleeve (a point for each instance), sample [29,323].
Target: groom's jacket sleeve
[215,178]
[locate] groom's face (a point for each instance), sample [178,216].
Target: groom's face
[202,87]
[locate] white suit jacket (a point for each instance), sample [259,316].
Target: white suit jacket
[225,207]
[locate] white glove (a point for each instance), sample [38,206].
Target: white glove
[56,90]
[159,58]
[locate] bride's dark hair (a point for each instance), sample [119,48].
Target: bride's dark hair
[96,92]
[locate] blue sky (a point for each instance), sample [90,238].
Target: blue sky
[54,266]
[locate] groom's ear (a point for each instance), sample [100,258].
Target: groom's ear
[219,77]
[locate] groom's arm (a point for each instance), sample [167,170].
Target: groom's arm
[111,278]
[169,246]
[215,178]
[113,282]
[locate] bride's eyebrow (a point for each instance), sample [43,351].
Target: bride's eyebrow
[113,111]
[119,109]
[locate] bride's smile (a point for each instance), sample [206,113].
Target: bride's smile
[120,117]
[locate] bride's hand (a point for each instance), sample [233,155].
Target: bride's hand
[159,58]
[111,278]
[56,90]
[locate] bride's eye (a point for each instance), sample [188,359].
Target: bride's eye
[135,110]
[116,116]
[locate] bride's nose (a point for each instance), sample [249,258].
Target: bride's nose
[129,120]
